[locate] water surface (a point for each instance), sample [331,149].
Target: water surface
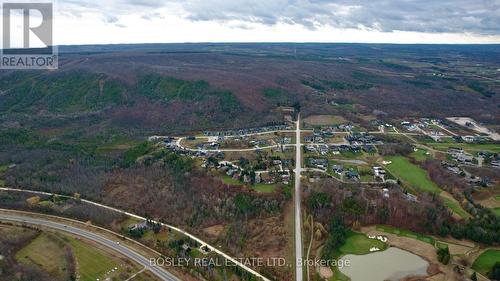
[391,264]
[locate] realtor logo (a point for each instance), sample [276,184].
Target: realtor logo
[36,23]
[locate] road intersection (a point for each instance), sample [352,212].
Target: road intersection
[298,241]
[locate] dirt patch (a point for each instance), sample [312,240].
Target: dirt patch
[490,202]
[214,231]
[323,120]
[437,277]
[470,123]
[456,249]
[325,272]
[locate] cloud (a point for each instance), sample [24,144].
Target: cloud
[110,19]
[453,16]
[461,17]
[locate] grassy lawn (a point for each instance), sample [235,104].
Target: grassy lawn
[117,144]
[261,187]
[419,155]
[497,197]
[145,276]
[406,233]
[160,236]
[484,263]
[367,178]
[360,244]
[441,245]
[338,276]
[366,173]
[264,188]
[455,207]
[411,174]
[350,154]
[229,180]
[129,221]
[92,263]
[496,211]
[46,253]
[470,147]
[3,168]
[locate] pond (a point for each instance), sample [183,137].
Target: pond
[391,264]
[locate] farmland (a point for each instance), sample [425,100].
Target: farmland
[45,252]
[57,256]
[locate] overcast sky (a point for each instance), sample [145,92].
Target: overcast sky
[394,21]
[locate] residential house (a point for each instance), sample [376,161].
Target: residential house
[468,138]
[464,158]
[138,226]
[352,175]
[379,172]
[257,178]
[410,197]
[385,193]
[319,163]
[323,149]
[338,169]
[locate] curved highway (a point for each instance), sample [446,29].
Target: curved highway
[116,246]
[210,247]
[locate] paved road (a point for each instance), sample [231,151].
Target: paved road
[179,140]
[210,247]
[298,225]
[158,271]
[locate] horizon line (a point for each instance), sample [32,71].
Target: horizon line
[273,42]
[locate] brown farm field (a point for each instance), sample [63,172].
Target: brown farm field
[321,120]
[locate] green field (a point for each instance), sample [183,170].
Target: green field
[497,197]
[455,207]
[470,147]
[484,263]
[92,263]
[411,174]
[119,143]
[338,276]
[46,253]
[360,244]
[420,155]
[366,173]
[3,168]
[350,154]
[496,211]
[264,188]
[229,180]
[441,245]
[406,233]
[261,187]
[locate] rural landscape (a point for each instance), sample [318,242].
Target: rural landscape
[252,161]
